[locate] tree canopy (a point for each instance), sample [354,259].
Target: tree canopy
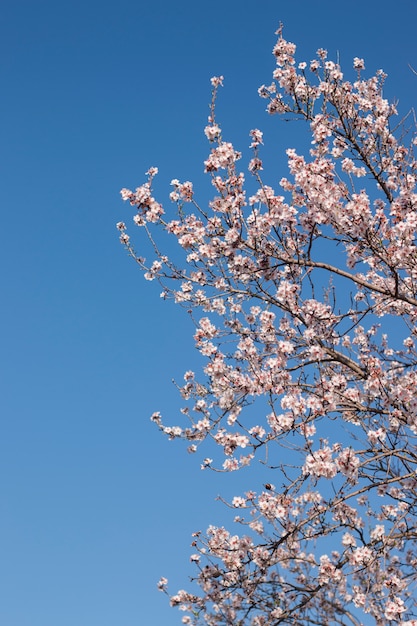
[304,300]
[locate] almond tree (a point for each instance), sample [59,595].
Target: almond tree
[305,306]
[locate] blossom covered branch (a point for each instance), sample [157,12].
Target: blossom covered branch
[305,308]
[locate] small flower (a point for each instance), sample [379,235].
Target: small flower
[255,165]
[378,532]
[257,137]
[358,64]
[156,417]
[162,583]
[217,81]
[212,132]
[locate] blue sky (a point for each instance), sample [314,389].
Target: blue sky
[95,504]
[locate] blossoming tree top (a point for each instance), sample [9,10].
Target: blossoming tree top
[304,300]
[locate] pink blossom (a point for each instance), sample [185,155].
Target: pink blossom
[378,532]
[327,571]
[212,132]
[394,609]
[320,463]
[360,556]
[162,583]
[217,81]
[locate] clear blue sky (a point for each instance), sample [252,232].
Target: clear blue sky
[95,505]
